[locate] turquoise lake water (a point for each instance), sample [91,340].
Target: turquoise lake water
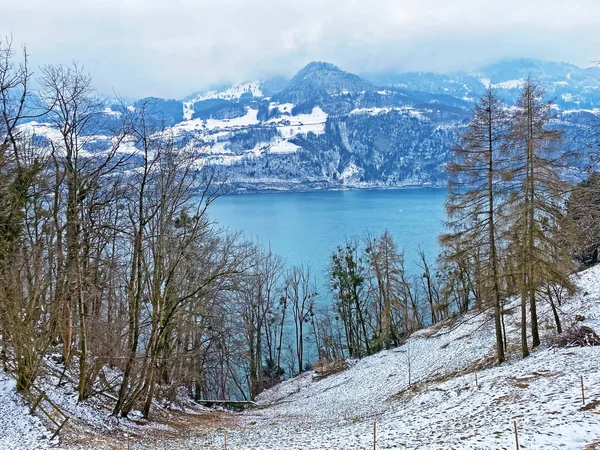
[307,227]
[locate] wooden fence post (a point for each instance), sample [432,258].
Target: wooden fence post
[374,435]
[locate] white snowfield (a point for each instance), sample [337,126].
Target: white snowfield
[288,126]
[405,110]
[210,136]
[509,84]
[444,408]
[458,398]
[232,93]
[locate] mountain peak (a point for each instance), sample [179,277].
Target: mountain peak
[318,66]
[319,79]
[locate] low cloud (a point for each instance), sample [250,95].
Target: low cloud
[171,49]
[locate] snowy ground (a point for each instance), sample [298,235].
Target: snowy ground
[17,428]
[90,424]
[457,398]
[444,407]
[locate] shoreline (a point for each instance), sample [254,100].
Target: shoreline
[306,188]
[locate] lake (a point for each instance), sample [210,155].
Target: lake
[307,227]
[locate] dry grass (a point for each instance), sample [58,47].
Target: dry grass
[180,424]
[325,368]
[591,405]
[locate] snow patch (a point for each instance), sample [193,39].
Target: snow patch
[290,126]
[407,110]
[251,118]
[18,429]
[109,112]
[567,97]
[232,93]
[280,146]
[188,110]
[510,84]
[195,125]
[350,171]
[41,129]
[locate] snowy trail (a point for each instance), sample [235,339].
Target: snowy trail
[542,394]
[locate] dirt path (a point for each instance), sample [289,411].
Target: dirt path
[171,427]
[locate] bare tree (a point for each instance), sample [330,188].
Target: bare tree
[387,264]
[438,307]
[538,204]
[23,281]
[300,292]
[478,176]
[84,185]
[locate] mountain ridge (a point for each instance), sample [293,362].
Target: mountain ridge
[326,128]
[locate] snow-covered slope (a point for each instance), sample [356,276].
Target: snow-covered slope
[90,424]
[440,390]
[18,429]
[457,397]
[234,92]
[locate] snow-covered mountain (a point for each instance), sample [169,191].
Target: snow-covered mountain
[571,87]
[323,128]
[327,128]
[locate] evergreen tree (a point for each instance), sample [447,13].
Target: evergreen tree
[347,275]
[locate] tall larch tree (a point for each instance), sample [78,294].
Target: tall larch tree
[477,192]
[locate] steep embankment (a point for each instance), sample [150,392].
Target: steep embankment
[457,398]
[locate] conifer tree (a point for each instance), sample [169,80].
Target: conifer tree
[477,185]
[538,200]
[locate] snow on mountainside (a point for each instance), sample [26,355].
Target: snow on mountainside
[313,127]
[362,122]
[17,428]
[234,92]
[510,84]
[212,138]
[506,76]
[395,129]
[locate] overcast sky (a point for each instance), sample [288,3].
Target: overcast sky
[173,48]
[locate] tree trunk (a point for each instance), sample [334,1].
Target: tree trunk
[554,310]
[493,255]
